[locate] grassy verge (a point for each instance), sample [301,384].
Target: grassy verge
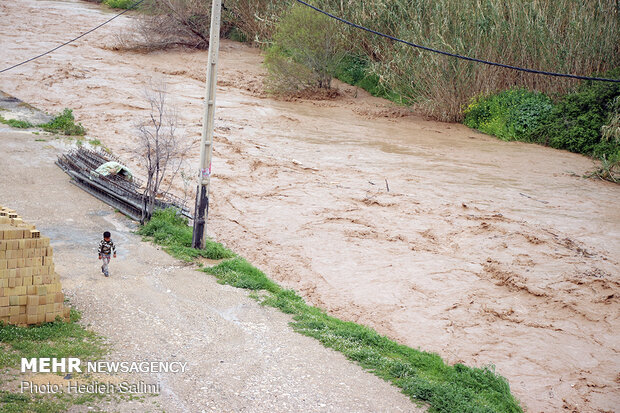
[63,123]
[58,339]
[421,375]
[14,123]
[171,231]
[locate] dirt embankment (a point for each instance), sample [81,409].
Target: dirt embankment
[482,251]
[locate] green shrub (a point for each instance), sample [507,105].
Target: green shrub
[237,35]
[305,53]
[170,230]
[352,69]
[286,76]
[609,169]
[576,122]
[509,115]
[356,70]
[65,124]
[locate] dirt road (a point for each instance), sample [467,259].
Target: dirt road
[482,251]
[241,357]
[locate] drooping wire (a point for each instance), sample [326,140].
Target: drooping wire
[134,5]
[387,36]
[472,59]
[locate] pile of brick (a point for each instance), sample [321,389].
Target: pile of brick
[30,291]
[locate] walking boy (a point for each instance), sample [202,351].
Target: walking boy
[106,248]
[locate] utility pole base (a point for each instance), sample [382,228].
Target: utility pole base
[199,235]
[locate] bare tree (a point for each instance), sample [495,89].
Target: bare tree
[171,23]
[177,22]
[160,147]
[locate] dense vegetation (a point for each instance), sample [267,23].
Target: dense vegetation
[305,49]
[576,122]
[570,36]
[584,121]
[420,375]
[510,114]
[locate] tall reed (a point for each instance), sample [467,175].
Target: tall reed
[572,36]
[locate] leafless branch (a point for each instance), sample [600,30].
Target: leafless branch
[160,145]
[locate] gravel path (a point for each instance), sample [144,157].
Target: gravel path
[241,357]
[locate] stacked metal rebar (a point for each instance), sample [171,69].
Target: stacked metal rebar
[115,190]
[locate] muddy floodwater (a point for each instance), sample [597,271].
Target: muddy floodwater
[482,251]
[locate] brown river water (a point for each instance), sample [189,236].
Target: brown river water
[482,251]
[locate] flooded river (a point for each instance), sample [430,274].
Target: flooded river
[482,251]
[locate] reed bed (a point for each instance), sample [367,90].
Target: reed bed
[568,36]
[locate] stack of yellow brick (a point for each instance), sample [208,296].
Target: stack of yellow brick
[30,291]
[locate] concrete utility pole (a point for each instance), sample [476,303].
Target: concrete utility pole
[201,210]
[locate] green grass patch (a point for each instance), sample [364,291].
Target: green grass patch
[119,4]
[14,123]
[64,124]
[57,339]
[49,403]
[36,403]
[170,230]
[420,375]
[95,142]
[241,274]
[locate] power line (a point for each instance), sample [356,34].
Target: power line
[134,5]
[387,36]
[472,59]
